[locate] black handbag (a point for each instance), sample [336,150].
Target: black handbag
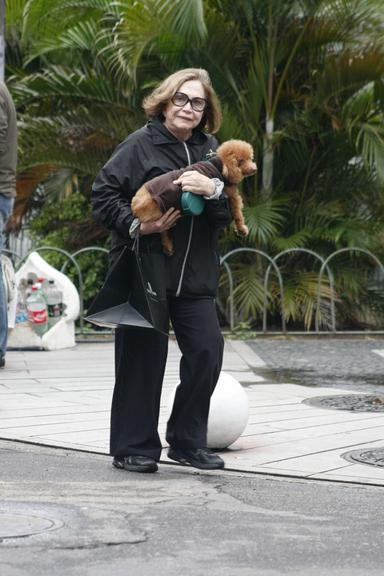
[134,293]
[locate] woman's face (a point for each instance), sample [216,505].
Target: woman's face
[181,120]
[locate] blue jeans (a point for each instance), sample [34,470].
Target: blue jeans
[6,205]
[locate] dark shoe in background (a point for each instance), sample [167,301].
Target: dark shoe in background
[202,458]
[2,361]
[135,463]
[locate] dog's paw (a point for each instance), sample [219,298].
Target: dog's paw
[168,250]
[242,230]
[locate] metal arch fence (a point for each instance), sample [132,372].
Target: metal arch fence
[265,297]
[81,293]
[325,264]
[324,267]
[71,259]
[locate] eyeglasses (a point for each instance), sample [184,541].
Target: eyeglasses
[180,99]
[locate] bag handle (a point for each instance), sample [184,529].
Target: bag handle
[135,246]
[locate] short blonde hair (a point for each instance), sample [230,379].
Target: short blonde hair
[155,102]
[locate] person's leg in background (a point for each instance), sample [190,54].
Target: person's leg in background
[140,359]
[200,340]
[6,205]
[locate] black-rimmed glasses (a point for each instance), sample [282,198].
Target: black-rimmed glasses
[197,104]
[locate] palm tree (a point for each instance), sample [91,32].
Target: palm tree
[318,67]
[62,99]
[301,80]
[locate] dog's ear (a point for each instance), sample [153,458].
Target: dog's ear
[231,168]
[225,172]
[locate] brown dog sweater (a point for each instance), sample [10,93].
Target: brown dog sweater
[167,194]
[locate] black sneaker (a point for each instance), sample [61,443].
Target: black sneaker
[202,458]
[2,361]
[135,463]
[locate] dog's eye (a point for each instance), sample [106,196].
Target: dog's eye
[241,162]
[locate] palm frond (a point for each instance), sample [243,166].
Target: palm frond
[299,239]
[348,71]
[248,293]
[370,139]
[81,36]
[184,19]
[60,81]
[364,121]
[44,19]
[14,14]
[300,297]
[149,27]
[264,220]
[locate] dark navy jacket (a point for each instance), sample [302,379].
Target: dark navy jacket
[145,154]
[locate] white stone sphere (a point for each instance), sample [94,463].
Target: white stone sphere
[228,413]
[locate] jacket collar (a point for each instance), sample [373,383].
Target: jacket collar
[160,134]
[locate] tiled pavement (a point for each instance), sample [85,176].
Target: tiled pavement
[62,399]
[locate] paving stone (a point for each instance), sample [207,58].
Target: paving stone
[63,398]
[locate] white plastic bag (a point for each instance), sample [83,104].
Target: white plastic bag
[9,278]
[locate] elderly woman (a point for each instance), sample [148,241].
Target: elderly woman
[183,111]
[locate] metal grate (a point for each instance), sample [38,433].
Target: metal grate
[372,457]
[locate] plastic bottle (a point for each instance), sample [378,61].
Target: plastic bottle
[21,306]
[54,298]
[43,285]
[37,310]
[28,290]
[31,278]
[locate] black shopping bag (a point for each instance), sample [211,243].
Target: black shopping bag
[134,293]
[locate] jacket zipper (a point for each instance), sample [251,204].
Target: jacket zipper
[189,238]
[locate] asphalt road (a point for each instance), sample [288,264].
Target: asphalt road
[65,513]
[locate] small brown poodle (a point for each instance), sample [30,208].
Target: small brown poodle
[232,162]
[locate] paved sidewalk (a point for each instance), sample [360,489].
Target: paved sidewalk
[63,398]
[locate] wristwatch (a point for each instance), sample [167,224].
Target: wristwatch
[134,228]
[219,185]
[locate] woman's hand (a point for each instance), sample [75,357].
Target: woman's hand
[193,181]
[167,220]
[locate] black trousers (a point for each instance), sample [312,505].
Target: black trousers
[140,359]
